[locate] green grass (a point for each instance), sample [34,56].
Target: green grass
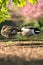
[33,37]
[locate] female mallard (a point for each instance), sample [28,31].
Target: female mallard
[9,31]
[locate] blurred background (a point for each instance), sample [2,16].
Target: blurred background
[19,13]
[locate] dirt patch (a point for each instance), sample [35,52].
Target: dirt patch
[20,55]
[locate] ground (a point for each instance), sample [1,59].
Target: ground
[20,55]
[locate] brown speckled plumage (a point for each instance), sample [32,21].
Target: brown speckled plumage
[9,31]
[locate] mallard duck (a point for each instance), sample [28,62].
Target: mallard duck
[9,31]
[26,30]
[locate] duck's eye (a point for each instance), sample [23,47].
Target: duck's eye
[12,30]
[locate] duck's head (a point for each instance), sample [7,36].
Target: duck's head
[36,30]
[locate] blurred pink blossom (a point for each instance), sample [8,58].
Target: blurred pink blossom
[32,11]
[29,11]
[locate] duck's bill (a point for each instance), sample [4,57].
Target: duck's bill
[38,31]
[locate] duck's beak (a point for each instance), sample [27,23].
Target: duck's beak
[38,31]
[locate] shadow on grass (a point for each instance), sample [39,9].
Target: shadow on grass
[19,61]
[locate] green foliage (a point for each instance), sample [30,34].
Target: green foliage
[20,37]
[9,42]
[33,23]
[20,2]
[23,2]
[41,28]
[33,1]
[3,10]
[41,21]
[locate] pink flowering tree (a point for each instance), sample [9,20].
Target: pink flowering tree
[29,11]
[33,11]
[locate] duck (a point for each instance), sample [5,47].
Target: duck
[28,30]
[9,31]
